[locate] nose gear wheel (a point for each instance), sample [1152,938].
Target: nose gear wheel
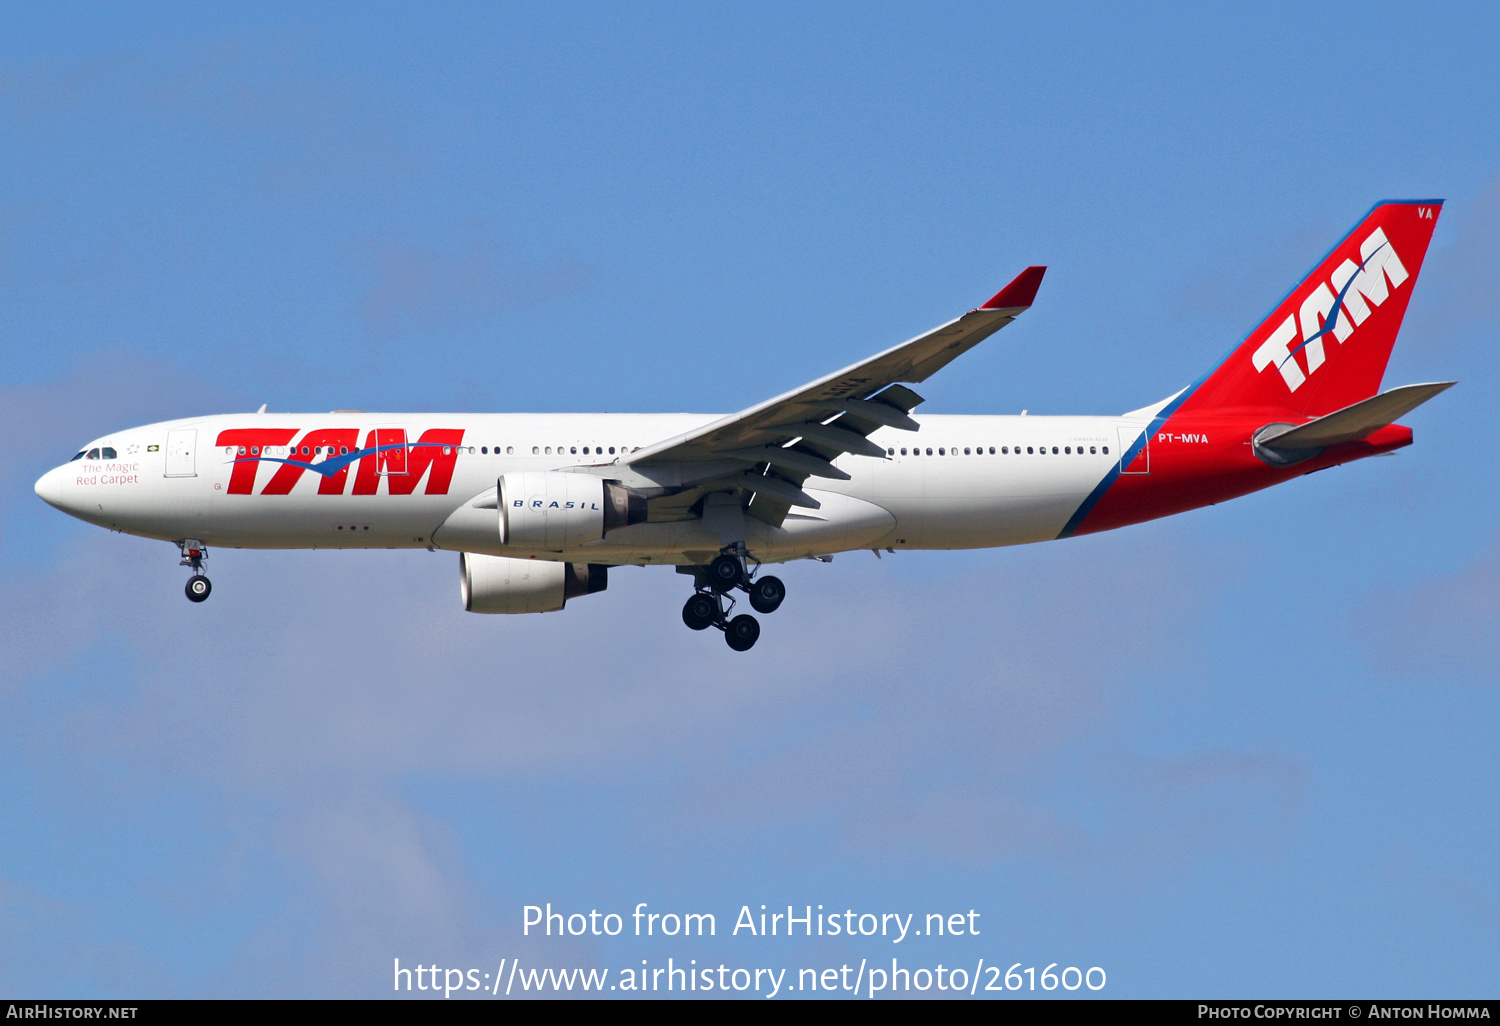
[194,552]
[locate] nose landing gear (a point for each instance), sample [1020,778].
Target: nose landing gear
[712,602]
[194,552]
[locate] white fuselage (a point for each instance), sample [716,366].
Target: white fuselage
[960,482]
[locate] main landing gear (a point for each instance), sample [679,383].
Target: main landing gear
[194,552]
[711,604]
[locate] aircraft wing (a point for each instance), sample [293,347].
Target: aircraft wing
[783,441]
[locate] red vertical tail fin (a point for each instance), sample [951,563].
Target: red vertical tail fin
[1326,344]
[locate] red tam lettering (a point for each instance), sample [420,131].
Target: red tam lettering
[253,441]
[436,449]
[288,474]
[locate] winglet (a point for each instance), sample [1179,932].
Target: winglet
[1019,293]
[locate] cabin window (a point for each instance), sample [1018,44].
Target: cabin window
[574,450]
[992,450]
[343,450]
[903,452]
[533,451]
[1093,450]
[1106,450]
[967,452]
[549,450]
[929,452]
[508,449]
[611,450]
[1054,450]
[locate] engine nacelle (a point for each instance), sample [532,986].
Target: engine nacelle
[553,511]
[500,584]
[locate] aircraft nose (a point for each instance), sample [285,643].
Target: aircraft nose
[52,487]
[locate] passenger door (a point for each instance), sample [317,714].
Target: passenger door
[1142,462]
[182,453]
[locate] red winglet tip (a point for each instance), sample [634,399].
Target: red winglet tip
[1020,292]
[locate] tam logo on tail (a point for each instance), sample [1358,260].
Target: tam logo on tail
[1379,273]
[1330,337]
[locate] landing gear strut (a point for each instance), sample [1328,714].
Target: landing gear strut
[194,552]
[712,601]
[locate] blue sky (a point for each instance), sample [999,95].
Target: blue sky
[1246,750]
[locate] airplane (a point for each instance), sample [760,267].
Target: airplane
[539,507]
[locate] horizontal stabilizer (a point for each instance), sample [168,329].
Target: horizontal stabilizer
[1352,422]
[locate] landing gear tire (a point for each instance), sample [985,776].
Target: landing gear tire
[766,594]
[725,572]
[198,588]
[700,612]
[742,632]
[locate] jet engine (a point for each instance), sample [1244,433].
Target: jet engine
[552,511]
[500,584]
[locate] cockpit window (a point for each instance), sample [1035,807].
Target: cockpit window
[109,453]
[79,456]
[93,454]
